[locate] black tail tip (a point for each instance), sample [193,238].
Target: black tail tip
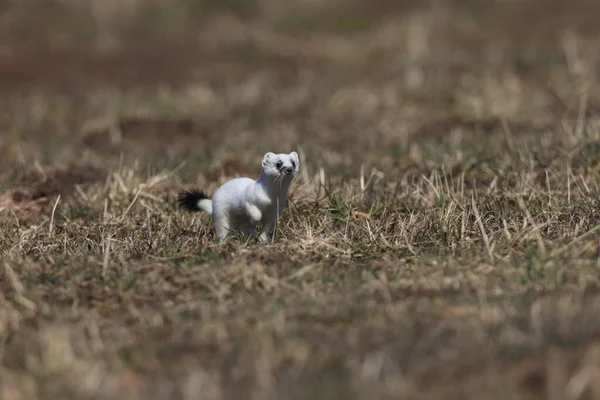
[188,199]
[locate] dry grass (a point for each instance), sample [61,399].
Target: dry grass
[442,241]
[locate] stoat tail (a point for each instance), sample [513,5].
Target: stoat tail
[195,200]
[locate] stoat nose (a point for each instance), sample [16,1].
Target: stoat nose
[289,170]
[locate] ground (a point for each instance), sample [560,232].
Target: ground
[442,240]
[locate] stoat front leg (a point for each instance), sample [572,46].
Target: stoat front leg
[253,212]
[268,226]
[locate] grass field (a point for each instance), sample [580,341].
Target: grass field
[442,240]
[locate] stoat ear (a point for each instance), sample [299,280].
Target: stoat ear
[294,156]
[267,157]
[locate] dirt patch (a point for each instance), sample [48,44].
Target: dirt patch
[173,65]
[147,135]
[476,126]
[518,23]
[51,183]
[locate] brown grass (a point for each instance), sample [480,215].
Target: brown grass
[441,242]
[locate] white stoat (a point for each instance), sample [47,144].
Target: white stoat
[242,203]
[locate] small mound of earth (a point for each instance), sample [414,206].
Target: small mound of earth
[143,135]
[53,182]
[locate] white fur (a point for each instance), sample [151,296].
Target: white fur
[242,203]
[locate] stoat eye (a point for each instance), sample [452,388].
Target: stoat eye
[294,164]
[279,165]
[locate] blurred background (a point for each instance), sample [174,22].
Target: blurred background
[307,64]
[69,43]
[94,83]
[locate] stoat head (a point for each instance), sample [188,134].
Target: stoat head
[281,165]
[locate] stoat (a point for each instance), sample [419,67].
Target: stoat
[242,203]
